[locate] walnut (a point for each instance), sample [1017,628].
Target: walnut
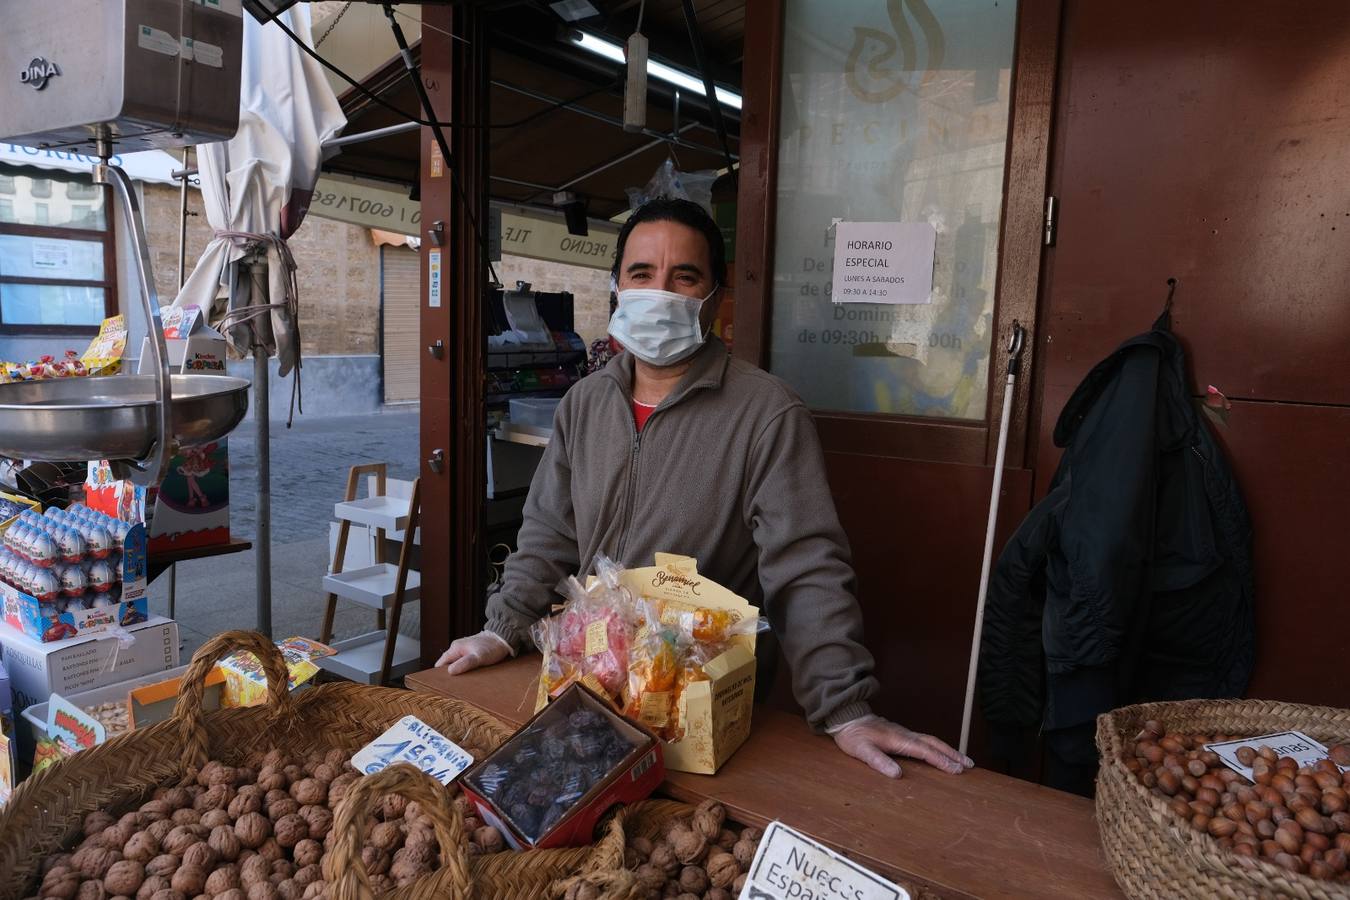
[186,816]
[263,890]
[693,879]
[383,884]
[157,809]
[142,847]
[270,779]
[293,774]
[115,837]
[222,775]
[744,853]
[165,864]
[218,796]
[283,867]
[409,864]
[289,890]
[232,894]
[222,880]
[201,855]
[271,850]
[135,819]
[309,790]
[169,894]
[94,862]
[708,819]
[97,821]
[752,834]
[727,839]
[152,885]
[254,870]
[273,796]
[57,859]
[291,830]
[320,821]
[739,884]
[581,890]
[472,823]
[244,775]
[276,759]
[375,860]
[252,829]
[124,877]
[91,890]
[663,858]
[722,869]
[337,758]
[307,875]
[385,836]
[316,889]
[215,818]
[61,887]
[489,838]
[252,801]
[279,809]
[338,789]
[160,830]
[393,806]
[180,839]
[325,773]
[630,858]
[690,846]
[188,880]
[650,878]
[177,797]
[307,852]
[717,894]
[225,842]
[642,846]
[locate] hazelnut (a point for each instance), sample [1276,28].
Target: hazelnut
[222,880]
[722,869]
[708,819]
[188,881]
[142,847]
[165,864]
[385,836]
[252,829]
[124,877]
[291,830]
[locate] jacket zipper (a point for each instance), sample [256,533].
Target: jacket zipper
[631,499]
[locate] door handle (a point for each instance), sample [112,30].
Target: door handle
[437,461]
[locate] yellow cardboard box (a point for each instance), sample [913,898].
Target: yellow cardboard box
[715,713]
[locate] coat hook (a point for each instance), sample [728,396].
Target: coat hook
[1171,290]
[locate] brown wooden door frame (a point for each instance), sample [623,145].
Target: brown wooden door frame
[1020,243]
[454,54]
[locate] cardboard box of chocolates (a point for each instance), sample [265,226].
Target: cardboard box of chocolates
[551,782]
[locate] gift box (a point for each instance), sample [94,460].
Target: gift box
[551,782]
[245,682]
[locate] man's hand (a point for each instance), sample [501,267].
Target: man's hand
[482,649]
[874,740]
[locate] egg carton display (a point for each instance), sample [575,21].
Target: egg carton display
[69,572]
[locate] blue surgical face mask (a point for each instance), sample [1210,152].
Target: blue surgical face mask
[661,328]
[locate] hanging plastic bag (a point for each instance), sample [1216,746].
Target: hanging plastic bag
[668,181]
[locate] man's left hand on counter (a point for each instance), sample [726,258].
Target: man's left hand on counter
[875,741]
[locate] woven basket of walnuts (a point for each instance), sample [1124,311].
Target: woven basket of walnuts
[248,804]
[1176,822]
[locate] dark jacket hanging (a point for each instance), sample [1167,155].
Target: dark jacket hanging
[1132,579]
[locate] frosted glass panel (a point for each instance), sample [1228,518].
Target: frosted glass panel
[892,111]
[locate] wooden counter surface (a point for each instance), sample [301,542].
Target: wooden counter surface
[979,834]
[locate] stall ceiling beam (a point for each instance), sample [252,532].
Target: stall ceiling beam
[373,135]
[611,120]
[609,164]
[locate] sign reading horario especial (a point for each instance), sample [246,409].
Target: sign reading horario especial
[883,262]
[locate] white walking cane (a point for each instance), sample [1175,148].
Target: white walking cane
[1015,343]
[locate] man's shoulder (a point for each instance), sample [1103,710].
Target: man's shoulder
[765,390]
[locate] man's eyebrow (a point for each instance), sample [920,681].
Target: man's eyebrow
[692,268]
[633,267]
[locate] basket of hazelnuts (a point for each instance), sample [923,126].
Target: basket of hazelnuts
[262,803]
[1179,819]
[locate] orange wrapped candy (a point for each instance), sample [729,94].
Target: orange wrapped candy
[652,666]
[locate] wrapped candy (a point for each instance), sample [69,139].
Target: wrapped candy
[589,640]
[653,661]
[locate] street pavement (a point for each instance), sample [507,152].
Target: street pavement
[309,464]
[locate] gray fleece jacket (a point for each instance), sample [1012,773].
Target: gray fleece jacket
[728,470]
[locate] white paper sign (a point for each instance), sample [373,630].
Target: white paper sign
[48,255]
[883,262]
[1302,748]
[434,278]
[413,741]
[791,866]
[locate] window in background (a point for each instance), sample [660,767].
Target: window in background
[56,255]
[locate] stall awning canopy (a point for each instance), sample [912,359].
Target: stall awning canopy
[154,166]
[542,147]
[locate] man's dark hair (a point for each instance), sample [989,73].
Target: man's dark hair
[685,212]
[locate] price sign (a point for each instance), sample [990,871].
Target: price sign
[791,866]
[413,741]
[1303,749]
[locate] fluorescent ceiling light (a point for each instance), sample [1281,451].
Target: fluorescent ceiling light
[669,74]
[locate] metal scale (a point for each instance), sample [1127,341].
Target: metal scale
[116,76]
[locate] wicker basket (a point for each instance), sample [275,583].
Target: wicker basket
[612,881]
[1151,850]
[46,811]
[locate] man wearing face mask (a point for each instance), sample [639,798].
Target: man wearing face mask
[676,447]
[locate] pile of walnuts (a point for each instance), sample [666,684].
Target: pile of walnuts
[702,858]
[260,831]
[1296,817]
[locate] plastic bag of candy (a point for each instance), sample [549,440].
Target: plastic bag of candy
[653,663]
[589,640]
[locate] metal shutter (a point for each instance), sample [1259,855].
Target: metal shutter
[401,269]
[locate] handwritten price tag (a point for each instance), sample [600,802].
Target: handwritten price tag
[413,741]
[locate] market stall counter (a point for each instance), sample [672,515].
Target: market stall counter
[979,834]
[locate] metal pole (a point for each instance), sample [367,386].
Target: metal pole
[1014,356]
[262,546]
[182,276]
[372,135]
